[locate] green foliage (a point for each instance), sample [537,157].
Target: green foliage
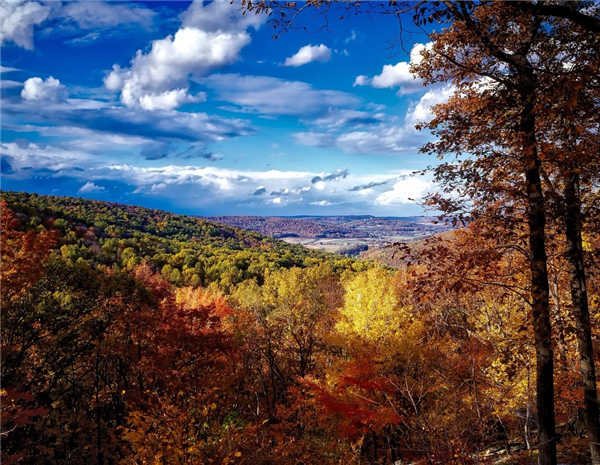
[124,236]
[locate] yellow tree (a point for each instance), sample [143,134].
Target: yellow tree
[281,328]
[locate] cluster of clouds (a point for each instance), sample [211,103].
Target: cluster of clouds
[142,113]
[19,19]
[373,131]
[61,115]
[272,97]
[210,37]
[216,185]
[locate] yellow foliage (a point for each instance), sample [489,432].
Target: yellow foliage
[372,308]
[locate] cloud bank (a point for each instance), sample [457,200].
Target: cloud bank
[18,19]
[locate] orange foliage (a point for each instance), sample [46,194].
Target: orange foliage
[23,254]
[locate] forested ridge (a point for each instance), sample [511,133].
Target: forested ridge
[185,249]
[333,227]
[118,347]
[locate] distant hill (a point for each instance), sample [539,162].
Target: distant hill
[349,235]
[198,251]
[186,249]
[390,254]
[355,227]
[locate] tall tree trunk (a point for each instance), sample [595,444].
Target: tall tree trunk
[581,311]
[540,289]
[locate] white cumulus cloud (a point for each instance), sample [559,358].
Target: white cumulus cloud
[421,112]
[404,191]
[50,90]
[397,75]
[89,187]
[362,80]
[169,99]
[309,53]
[211,37]
[17,20]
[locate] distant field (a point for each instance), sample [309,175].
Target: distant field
[335,245]
[328,245]
[337,233]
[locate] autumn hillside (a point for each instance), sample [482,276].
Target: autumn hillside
[185,249]
[132,335]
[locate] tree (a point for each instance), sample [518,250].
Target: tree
[427,368]
[289,14]
[571,146]
[23,254]
[533,71]
[470,36]
[283,324]
[184,372]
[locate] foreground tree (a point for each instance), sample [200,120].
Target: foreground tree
[571,146]
[508,64]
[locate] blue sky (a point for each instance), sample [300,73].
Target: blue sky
[195,108]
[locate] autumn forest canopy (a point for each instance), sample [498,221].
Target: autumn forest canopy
[137,335]
[132,335]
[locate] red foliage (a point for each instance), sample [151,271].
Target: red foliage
[358,404]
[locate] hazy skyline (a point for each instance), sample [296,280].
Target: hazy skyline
[195,108]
